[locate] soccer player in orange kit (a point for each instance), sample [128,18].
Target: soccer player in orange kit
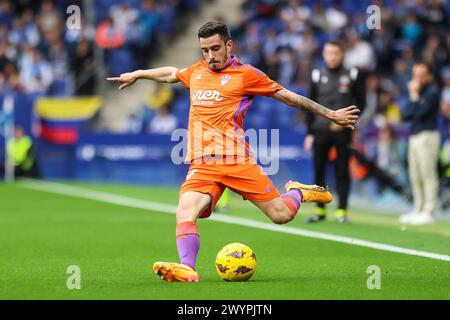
[221,90]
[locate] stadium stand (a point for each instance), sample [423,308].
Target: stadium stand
[40,57]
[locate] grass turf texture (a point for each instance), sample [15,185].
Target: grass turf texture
[115,247]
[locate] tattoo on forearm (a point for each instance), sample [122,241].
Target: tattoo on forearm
[312,106]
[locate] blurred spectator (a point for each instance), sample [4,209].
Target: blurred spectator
[359,53]
[4,33]
[49,19]
[303,76]
[148,21]
[382,41]
[135,123]
[336,18]
[83,67]
[434,53]
[270,45]
[319,19]
[271,66]
[447,46]
[389,108]
[288,65]
[59,62]
[6,15]
[7,53]
[423,153]
[296,15]
[23,154]
[309,46]
[436,16]
[388,153]
[149,18]
[161,96]
[74,36]
[252,55]
[123,16]
[20,6]
[24,30]
[372,99]
[289,39]
[412,30]
[359,23]
[35,72]
[9,78]
[164,122]
[445,96]
[400,76]
[109,35]
[445,105]
[252,36]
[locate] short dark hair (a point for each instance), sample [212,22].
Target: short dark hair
[336,43]
[214,27]
[427,65]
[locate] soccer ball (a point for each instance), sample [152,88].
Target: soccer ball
[235,262]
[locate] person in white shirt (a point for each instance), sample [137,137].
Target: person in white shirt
[163,123]
[359,53]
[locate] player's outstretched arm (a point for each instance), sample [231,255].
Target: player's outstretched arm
[163,74]
[345,117]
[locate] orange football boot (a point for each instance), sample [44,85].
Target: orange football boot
[175,272]
[311,193]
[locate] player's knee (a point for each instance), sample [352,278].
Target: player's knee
[287,217]
[281,215]
[186,213]
[283,219]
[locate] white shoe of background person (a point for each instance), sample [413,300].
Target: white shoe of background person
[407,217]
[422,218]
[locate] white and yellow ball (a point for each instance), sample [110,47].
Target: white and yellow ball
[236,262]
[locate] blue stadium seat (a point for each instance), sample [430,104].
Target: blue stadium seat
[166,22]
[119,61]
[60,87]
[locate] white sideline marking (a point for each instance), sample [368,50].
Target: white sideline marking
[79,192]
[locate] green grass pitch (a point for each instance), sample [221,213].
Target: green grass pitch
[41,234]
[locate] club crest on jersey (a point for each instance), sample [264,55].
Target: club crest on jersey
[224,79]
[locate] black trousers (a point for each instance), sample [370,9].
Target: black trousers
[323,141]
[33,172]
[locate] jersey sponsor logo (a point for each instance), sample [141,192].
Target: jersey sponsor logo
[206,95]
[198,76]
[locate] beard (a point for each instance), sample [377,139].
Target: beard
[216,66]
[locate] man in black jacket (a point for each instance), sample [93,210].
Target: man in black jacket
[333,86]
[424,142]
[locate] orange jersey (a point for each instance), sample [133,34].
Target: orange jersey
[219,102]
